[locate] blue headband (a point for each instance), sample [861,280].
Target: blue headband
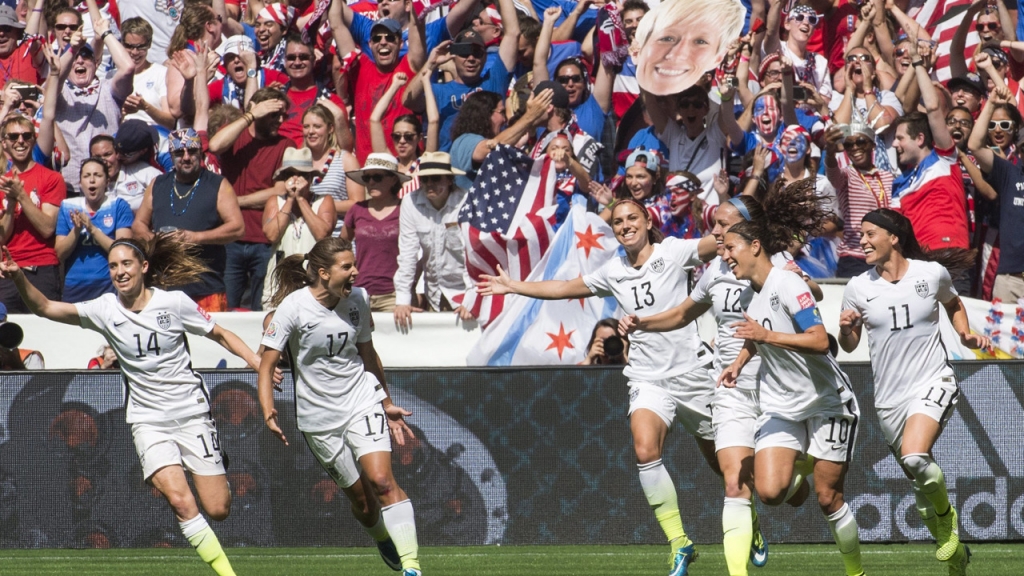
[130,245]
[738,203]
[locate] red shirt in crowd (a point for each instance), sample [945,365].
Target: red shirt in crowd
[27,245]
[368,89]
[301,100]
[933,199]
[18,66]
[837,29]
[249,166]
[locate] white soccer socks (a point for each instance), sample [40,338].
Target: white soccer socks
[737,531]
[378,531]
[401,525]
[201,537]
[844,530]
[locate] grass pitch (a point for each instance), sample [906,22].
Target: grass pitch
[789,560]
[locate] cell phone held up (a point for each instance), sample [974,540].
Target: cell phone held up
[28,92]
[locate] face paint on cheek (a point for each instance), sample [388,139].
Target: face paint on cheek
[766,107]
[796,149]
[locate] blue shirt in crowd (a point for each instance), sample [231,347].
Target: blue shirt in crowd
[86,276]
[451,95]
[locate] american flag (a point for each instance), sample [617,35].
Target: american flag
[500,223]
[941,18]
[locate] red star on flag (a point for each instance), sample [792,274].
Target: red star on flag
[560,340]
[589,240]
[583,305]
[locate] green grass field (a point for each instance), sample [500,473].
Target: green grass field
[789,560]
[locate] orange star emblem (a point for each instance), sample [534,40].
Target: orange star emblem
[583,305]
[560,340]
[589,240]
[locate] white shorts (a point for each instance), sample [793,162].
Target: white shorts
[191,443]
[686,398]
[935,400]
[339,450]
[734,416]
[829,435]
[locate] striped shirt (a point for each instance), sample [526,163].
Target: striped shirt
[333,184]
[858,193]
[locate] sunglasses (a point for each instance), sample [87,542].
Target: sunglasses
[900,52]
[181,153]
[574,78]
[991,26]
[1004,125]
[858,143]
[962,122]
[432,179]
[811,19]
[137,47]
[64,27]
[690,103]
[375,177]
[859,57]
[386,37]
[397,137]
[298,57]
[23,136]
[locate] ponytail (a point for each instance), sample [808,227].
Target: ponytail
[172,261]
[293,273]
[956,260]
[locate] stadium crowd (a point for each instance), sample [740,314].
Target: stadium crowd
[254,130]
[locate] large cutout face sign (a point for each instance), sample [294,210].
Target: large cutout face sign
[680,40]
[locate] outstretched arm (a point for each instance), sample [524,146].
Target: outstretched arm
[932,104]
[545,290]
[678,317]
[39,304]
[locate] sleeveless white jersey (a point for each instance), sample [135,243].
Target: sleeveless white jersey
[728,298]
[659,285]
[794,386]
[902,324]
[153,352]
[331,384]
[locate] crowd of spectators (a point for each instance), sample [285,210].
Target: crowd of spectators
[255,129]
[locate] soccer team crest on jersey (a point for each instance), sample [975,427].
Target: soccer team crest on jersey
[163,320]
[108,220]
[658,265]
[353,315]
[922,288]
[774,302]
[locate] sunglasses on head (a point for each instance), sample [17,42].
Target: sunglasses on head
[1004,125]
[574,78]
[397,137]
[64,27]
[859,57]
[383,37]
[858,143]
[298,57]
[811,19]
[991,26]
[962,122]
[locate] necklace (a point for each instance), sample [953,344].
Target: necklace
[327,166]
[189,195]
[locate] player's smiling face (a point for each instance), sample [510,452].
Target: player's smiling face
[725,217]
[341,276]
[876,242]
[739,255]
[127,270]
[630,224]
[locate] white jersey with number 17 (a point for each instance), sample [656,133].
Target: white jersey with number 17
[902,321]
[331,384]
[151,348]
[794,386]
[660,284]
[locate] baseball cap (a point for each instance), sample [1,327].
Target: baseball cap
[390,24]
[560,98]
[134,135]
[238,44]
[971,81]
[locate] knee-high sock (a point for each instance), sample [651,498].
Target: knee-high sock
[929,478]
[926,510]
[737,530]
[661,495]
[378,531]
[844,529]
[201,537]
[401,524]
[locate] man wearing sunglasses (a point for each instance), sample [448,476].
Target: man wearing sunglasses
[435,32]
[31,196]
[201,207]
[370,76]
[474,72]
[304,89]
[18,60]
[800,23]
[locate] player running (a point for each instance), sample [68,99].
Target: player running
[668,372]
[342,403]
[915,388]
[168,406]
[807,405]
[736,410]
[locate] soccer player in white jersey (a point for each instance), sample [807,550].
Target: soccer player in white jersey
[168,406]
[899,301]
[342,403]
[668,372]
[735,410]
[807,405]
